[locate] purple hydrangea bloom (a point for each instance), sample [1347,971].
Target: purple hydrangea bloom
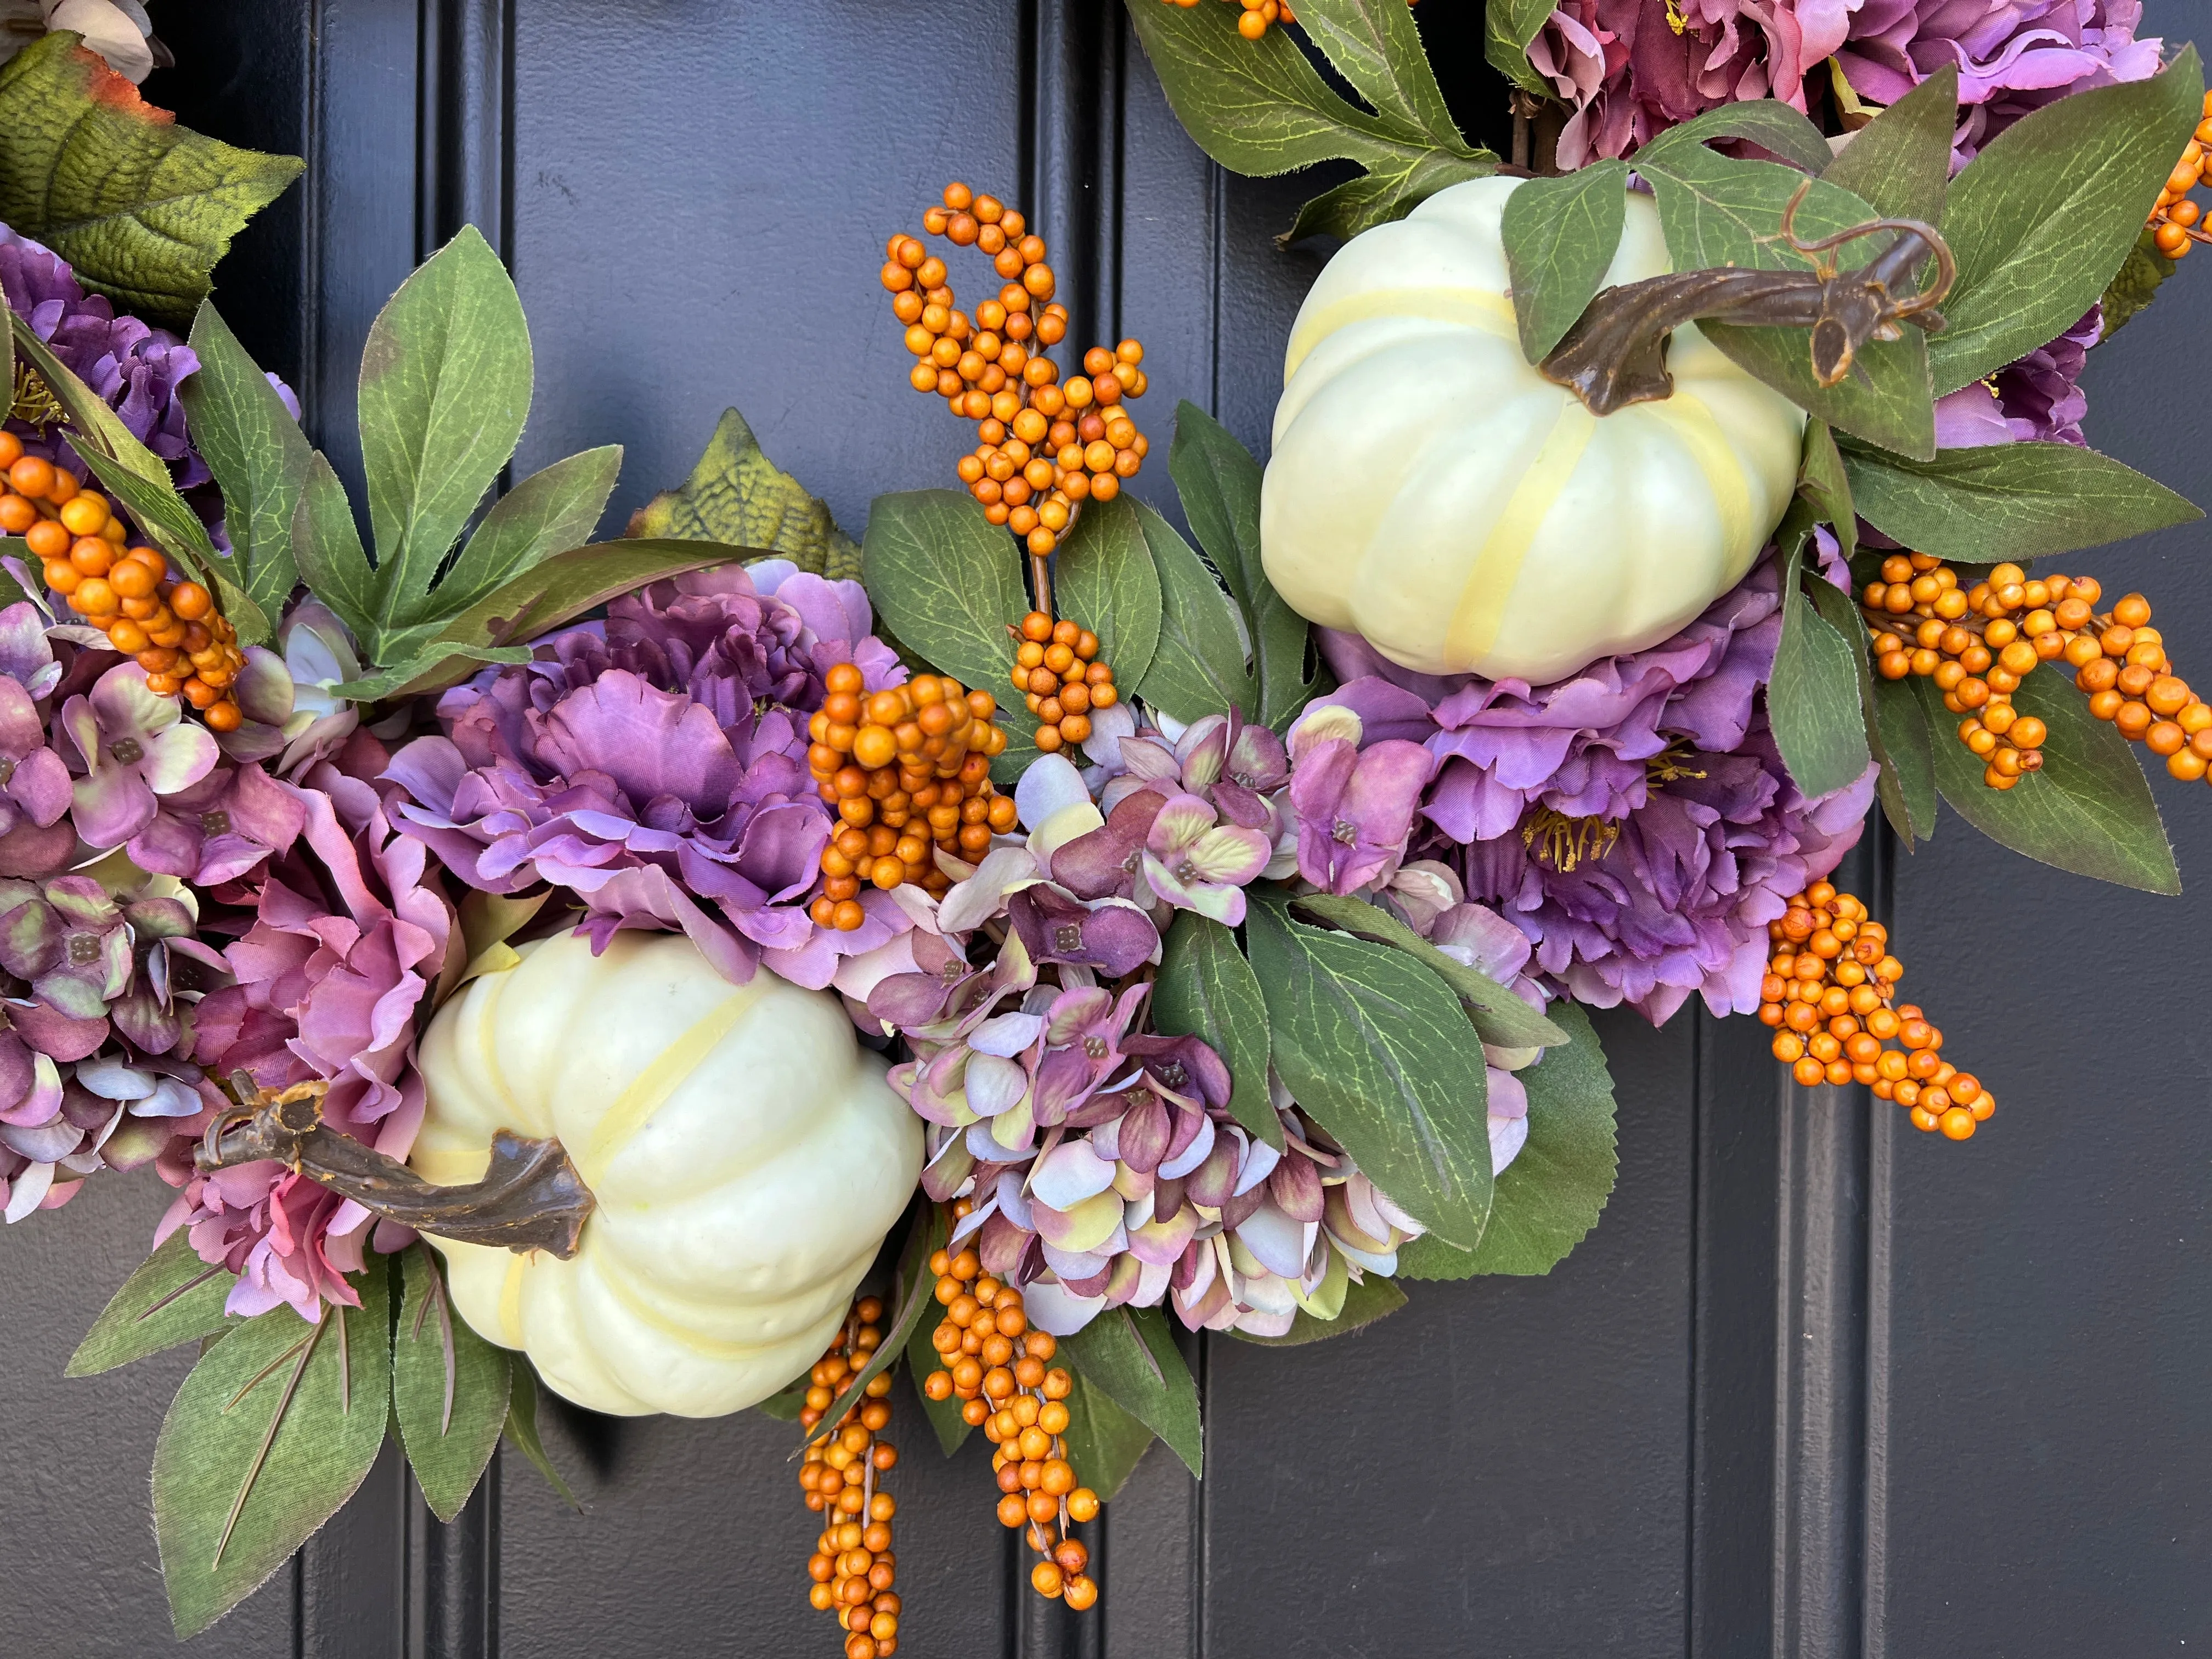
[134,747]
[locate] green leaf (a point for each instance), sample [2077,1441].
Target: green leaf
[737,495]
[1835,606]
[1908,799]
[1498,1016]
[2089,811]
[1367,1300]
[785,1403]
[141,207]
[1377,1048]
[450,1389]
[1716,212]
[1130,1354]
[432,671]
[948,580]
[925,1236]
[1199,668]
[1560,236]
[2135,284]
[2018,500]
[921,1359]
[1104,1443]
[1207,989]
[258,453]
[272,1432]
[548,512]
[1827,487]
[327,543]
[1551,1195]
[1900,163]
[1260,108]
[1813,694]
[556,591]
[522,1427]
[1772,124]
[444,388]
[1218,483]
[1376,46]
[172,1297]
[1103,577]
[1508,28]
[2044,216]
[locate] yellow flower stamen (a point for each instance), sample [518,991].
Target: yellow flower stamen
[1553,838]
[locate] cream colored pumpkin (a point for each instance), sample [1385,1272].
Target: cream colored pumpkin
[746,1154]
[1430,490]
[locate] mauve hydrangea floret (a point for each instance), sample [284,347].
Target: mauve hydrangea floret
[133,747]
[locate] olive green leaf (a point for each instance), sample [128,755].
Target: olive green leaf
[1376,1048]
[2044,216]
[1560,236]
[1104,579]
[737,495]
[1551,1195]
[1130,1354]
[327,546]
[1218,483]
[785,1403]
[947,579]
[1498,1016]
[1891,786]
[1207,989]
[450,1389]
[923,1358]
[549,512]
[1371,1298]
[1508,28]
[1827,488]
[258,453]
[141,207]
[1260,108]
[2017,500]
[1104,1443]
[2089,809]
[1813,694]
[172,1297]
[2135,284]
[924,1239]
[522,1427]
[1772,124]
[1200,666]
[272,1431]
[1900,163]
[1908,741]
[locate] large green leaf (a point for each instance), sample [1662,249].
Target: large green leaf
[1367,1300]
[258,453]
[1207,989]
[548,512]
[1104,1443]
[522,1428]
[2044,216]
[1827,487]
[172,1297]
[737,495]
[2018,500]
[1199,668]
[1813,694]
[556,591]
[948,580]
[1900,163]
[1260,108]
[141,207]
[1560,236]
[1508,28]
[1770,124]
[1218,483]
[1550,1196]
[1131,1354]
[450,1389]
[444,389]
[326,545]
[272,1432]
[2089,809]
[1896,795]
[1908,799]
[1103,577]
[1377,1048]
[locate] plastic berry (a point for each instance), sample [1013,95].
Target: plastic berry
[2173,220]
[853,1567]
[1057,671]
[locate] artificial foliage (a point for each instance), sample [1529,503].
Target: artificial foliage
[730,963]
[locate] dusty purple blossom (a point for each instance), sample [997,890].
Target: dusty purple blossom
[133,747]
[2037,399]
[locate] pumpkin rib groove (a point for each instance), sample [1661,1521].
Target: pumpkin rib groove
[1497,568]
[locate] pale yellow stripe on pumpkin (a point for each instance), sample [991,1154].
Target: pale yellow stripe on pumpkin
[1475,307]
[510,1301]
[652,1087]
[1700,434]
[617,1285]
[1497,568]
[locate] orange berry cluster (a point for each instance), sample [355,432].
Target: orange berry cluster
[1829,986]
[997,1367]
[127,593]
[852,1566]
[1257,15]
[900,768]
[1046,448]
[2173,221]
[1056,669]
[2120,661]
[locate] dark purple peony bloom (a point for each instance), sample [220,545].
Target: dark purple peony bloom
[2037,399]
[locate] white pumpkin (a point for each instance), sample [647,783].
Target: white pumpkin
[1430,490]
[746,1154]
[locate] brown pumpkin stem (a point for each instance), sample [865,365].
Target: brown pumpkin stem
[1615,354]
[531,1198]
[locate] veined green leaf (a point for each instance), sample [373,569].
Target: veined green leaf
[556,591]
[444,388]
[1130,1354]
[1508,28]
[925,1235]
[272,1431]
[1104,1443]
[172,1297]
[522,1427]
[258,453]
[2018,500]
[548,512]
[1103,577]
[2089,809]
[141,207]
[1827,487]
[1836,607]
[1909,744]
[1812,695]
[1769,122]
[737,495]
[2044,216]
[1376,1048]
[1560,236]
[1199,667]
[948,580]
[1376,46]
[1371,1298]
[326,545]
[450,1389]
[1900,163]
[1207,989]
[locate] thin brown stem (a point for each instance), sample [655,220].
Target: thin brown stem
[261,1457]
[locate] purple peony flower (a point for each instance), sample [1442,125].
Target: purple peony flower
[2037,399]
